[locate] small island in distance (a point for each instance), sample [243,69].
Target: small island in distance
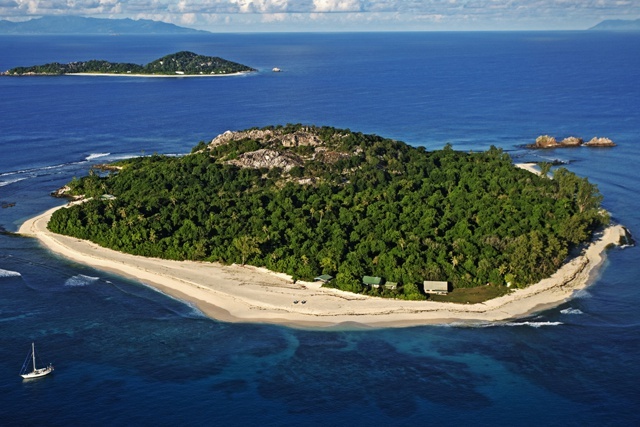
[617,25]
[57,25]
[177,64]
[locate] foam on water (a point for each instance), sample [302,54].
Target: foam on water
[10,181]
[94,156]
[80,280]
[571,311]
[582,293]
[9,273]
[192,312]
[38,171]
[534,324]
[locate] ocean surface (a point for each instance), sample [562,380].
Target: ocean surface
[126,354]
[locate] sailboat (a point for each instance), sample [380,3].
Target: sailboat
[37,372]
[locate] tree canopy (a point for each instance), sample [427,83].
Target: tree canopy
[345,204]
[187,63]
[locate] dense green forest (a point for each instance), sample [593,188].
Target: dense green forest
[187,63]
[343,203]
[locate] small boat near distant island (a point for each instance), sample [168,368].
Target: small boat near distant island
[36,372]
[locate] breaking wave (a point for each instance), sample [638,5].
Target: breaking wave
[10,181]
[93,156]
[9,273]
[582,293]
[571,311]
[80,280]
[534,324]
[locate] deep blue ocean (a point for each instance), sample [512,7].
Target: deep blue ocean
[128,355]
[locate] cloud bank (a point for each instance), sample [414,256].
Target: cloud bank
[295,15]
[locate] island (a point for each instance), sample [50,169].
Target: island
[617,25]
[80,25]
[317,226]
[174,65]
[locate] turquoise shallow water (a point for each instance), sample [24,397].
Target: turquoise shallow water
[126,354]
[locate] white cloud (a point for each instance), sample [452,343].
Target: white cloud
[341,14]
[323,6]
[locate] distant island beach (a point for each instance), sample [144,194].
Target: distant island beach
[235,293]
[180,64]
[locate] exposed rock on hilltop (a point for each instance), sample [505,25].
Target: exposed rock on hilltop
[283,147]
[270,136]
[265,158]
[546,141]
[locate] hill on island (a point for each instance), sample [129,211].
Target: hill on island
[618,25]
[181,63]
[308,200]
[91,26]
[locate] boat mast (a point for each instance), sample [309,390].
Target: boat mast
[33,352]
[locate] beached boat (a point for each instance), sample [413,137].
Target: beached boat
[37,372]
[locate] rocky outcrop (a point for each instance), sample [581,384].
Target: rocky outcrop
[571,141]
[228,136]
[64,192]
[546,141]
[600,142]
[269,137]
[265,158]
[325,155]
[302,138]
[61,192]
[284,149]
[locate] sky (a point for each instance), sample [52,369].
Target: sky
[340,15]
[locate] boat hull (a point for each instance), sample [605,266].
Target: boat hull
[41,372]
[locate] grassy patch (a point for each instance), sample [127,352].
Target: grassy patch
[472,295]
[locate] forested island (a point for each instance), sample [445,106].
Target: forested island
[308,200]
[80,25]
[181,63]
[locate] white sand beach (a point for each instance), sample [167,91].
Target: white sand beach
[171,76]
[531,167]
[248,294]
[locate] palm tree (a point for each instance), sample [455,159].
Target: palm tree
[247,246]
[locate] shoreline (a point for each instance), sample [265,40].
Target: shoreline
[248,294]
[240,73]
